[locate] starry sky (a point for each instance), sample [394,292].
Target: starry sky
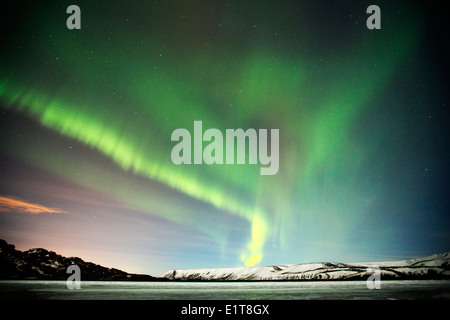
[86,118]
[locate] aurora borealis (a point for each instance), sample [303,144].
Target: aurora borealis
[87,117]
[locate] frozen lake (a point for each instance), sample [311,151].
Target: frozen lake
[318,290]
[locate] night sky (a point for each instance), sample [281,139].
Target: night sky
[86,118]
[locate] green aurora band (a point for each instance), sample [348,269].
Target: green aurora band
[126,103]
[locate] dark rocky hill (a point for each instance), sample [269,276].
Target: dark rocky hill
[47,265]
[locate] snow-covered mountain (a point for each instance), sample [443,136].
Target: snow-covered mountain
[432,267]
[43,264]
